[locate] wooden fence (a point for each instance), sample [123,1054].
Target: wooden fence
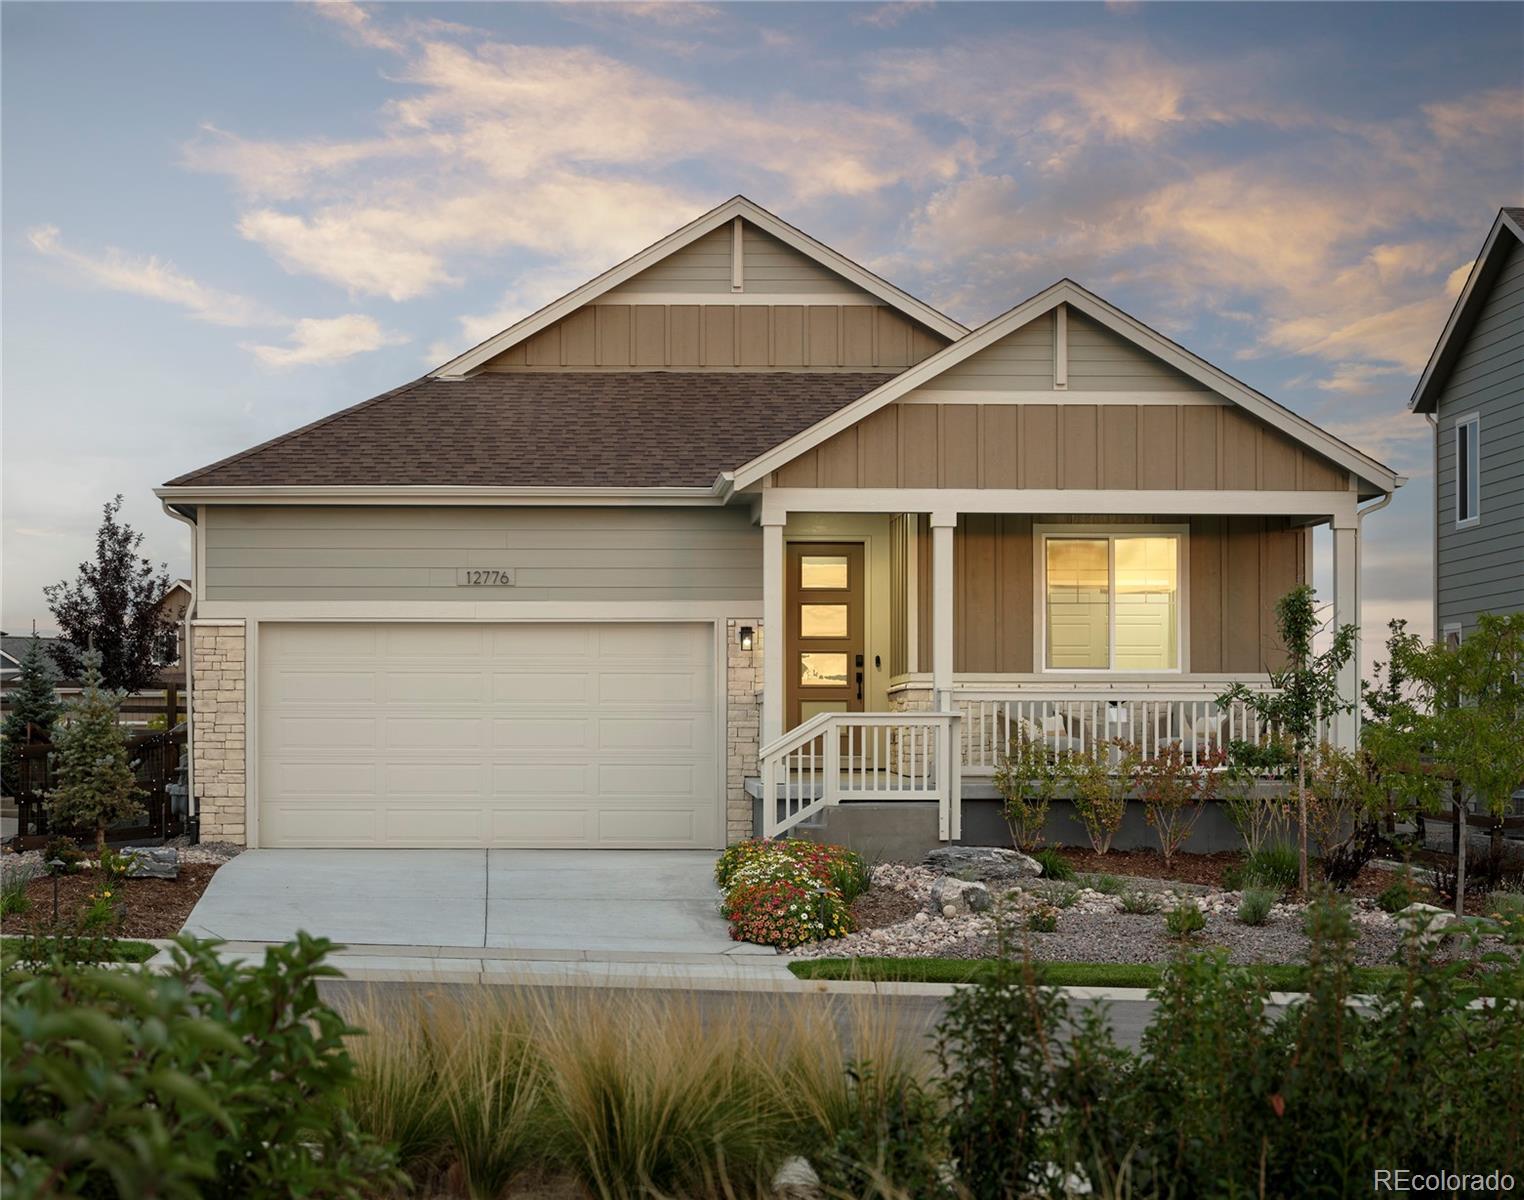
[155,759]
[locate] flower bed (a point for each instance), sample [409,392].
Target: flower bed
[786,893]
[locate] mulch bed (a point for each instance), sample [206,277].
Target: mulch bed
[880,907]
[155,908]
[1149,864]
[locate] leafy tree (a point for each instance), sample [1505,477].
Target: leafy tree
[1302,695]
[96,785]
[1457,721]
[114,608]
[34,708]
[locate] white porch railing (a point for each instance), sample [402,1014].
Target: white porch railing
[862,756]
[1076,721]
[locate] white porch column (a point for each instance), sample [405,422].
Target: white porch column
[772,627]
[1346,611]
[942,526]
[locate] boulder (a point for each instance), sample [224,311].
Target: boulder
[1427,922]
[153,862]
[953,897]
[796,1180]
[991,864]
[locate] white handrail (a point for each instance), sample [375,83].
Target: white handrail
[834,757]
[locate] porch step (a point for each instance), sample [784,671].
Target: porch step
[894,831]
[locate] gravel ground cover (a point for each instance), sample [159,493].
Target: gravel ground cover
[1091,926]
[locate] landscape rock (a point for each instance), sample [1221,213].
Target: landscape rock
[795,1179]
[991,864]
[1426,922]
[153,862]
[954,897]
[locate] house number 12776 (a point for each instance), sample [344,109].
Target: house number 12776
[485,577]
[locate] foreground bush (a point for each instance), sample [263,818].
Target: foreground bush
[787,892]
[211,1080]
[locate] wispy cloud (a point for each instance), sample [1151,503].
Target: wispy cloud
[553,149]
[154,278]
[887,16]
[313,339]
[316,340]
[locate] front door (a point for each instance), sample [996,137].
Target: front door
[824,649]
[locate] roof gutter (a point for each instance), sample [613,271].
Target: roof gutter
[440,494]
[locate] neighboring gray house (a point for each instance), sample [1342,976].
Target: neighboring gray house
[1472,392]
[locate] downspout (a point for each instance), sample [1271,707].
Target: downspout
[1434,476]
[193,804]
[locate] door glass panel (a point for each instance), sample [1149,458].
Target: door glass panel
[822,571]
[1148,591]
[823,670]
[823,620]
[1078,604]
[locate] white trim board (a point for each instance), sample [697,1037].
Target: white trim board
[1338,507]
[1381,478]
[928,395]
[734,209]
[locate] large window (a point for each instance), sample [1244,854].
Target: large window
[1468,492]
[1112,602]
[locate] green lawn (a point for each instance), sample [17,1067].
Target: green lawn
[966,970]
[120,950]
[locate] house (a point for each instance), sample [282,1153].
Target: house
[737,518]
[1472,392]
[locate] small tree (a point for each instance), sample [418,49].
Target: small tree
[34,708]
[1100,778]
[1027,777]
[1302,695]
[96,785]
[1174,791]
[114,608]
[1459,724]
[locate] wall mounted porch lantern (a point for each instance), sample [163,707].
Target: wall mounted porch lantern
[746,637]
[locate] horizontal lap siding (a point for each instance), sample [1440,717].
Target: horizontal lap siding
[1103,361]
[717,337]
[1481,567]
[1236,569]
[388,554]
[1033,445]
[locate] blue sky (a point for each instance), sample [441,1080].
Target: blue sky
[223,220]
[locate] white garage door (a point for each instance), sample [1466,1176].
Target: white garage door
[487,735]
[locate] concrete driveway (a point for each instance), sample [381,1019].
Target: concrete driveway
[541,900]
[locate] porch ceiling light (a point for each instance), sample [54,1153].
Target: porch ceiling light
[746,637]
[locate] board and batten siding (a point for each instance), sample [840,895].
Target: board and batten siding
[1168,447]
[1481,567]
[723,337]
[1236,568]
[280,553]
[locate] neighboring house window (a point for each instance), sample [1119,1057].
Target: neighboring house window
[1452,636]
[1468,492]
[1111,602]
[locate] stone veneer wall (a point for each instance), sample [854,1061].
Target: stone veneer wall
[743,724]
[911,699]
[218,664]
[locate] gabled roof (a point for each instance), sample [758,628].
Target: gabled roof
[1383,479]
[588,431]
[1506,232]
[737,206]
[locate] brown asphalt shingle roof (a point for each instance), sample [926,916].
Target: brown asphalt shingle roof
[544,429]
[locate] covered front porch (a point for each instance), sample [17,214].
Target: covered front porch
[921,630]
